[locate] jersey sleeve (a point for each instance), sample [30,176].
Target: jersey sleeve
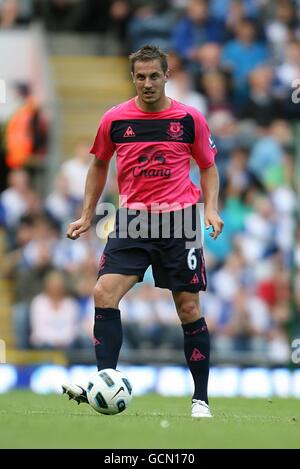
[103,147]
[203,149]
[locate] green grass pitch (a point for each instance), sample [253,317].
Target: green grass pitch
[28,420]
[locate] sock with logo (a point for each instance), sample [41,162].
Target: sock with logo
[196,351]
[108,337]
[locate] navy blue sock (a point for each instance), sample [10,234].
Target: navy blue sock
[196,351]
[108,337]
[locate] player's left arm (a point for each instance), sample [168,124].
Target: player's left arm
[204,151]
[210,190]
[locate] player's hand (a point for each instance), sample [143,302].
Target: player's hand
[213,219]
[76,228]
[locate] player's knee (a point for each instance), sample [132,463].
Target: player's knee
[104,297]
[188,311]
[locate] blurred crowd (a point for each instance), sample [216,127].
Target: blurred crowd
[237,62]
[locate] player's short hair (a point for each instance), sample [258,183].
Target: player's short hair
[148,53]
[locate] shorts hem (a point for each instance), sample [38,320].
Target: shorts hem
[122,272]
[187,288]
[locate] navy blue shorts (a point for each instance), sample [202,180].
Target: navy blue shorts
[175,256]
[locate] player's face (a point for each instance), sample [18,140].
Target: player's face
[149,80]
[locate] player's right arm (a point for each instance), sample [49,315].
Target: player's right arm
[103,148]
[94,185]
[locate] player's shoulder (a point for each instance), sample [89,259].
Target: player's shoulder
[117,110]
[190,110]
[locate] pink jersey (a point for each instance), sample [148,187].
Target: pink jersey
[153,152]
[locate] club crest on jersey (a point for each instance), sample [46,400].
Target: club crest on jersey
[175,130]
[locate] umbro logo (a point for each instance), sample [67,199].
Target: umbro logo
[129,132]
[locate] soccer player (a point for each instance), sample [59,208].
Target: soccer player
[154,138]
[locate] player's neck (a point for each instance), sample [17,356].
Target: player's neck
[161,105]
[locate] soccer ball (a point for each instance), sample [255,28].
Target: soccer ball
[109,391]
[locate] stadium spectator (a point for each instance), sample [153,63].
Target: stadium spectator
[180,88]
[280,26]
[83,291]
[242,55]
[150,25]
[195,29]
[11,15]
[26,131]
[17,200]
[267,154]
[289,68]
[260,105]
[235,13]
[74,170]
[120,13]
[209,56]
[11,263]
[222,8]
[287,74]
[224,128]
[53,315]
[58,204]
[57,15]
[93,16]
[215,87]
[244,324]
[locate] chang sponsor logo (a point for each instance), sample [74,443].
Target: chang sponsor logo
[151,166]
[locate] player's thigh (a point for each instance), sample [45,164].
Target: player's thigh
[114,286]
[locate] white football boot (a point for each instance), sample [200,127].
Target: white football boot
[75,392]
[200,409]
